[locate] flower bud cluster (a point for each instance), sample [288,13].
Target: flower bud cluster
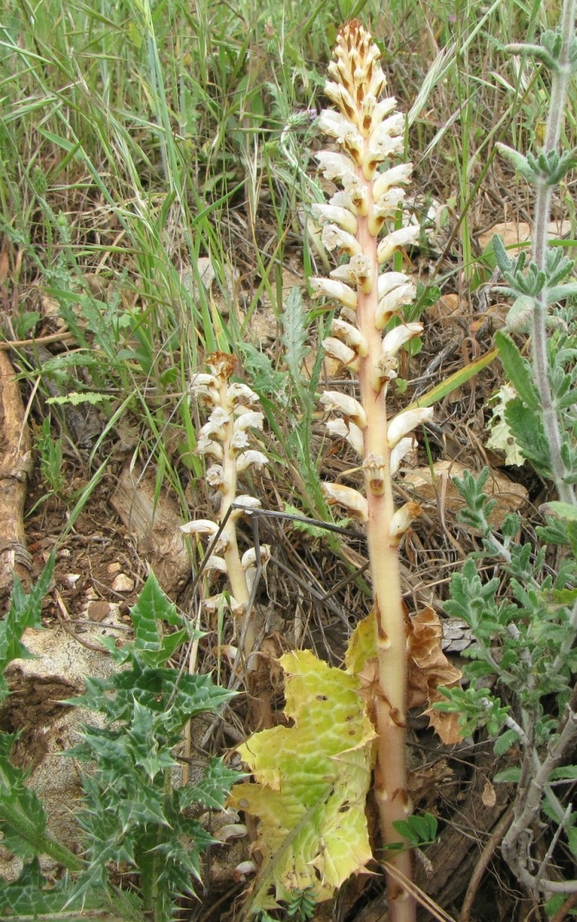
[370,134]
[226,439]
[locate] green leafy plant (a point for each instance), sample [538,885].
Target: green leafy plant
[525,638]
[135,813]
[51,457]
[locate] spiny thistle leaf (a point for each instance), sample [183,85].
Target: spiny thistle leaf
[24,612]
[212,789]
[151,608]
[311,784]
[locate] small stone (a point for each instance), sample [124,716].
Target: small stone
[123,583]
[114,568]
[98,611]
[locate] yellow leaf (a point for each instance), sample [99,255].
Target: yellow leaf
[311,782]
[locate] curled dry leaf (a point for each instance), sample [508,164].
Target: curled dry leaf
[515,233]
[429,668]
[511,496]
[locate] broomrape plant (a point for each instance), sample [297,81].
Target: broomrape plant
[333,739]
[369,133]
[226,439]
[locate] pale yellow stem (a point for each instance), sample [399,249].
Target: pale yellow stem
[391,778]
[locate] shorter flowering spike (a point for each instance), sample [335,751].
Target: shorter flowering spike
[226,436]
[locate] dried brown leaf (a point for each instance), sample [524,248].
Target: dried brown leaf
[429,668]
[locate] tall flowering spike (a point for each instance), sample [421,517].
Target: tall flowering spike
[369,133]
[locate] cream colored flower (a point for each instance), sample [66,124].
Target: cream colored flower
[238,391]
[341,97]
[331,288]
[335,238]
[201,379]
[248,503]
[350,334]
[345,133]
[206,446]
[388,281]
[405,422]
[384,208]
[346,429]
[214,427]
[248,419]
[345,404]
[214,562]
[353,202]
[338,168]
[338,214]
[403,237]
[200,527]
[392,302]
[358,271]
[351,499]
[239,441]
[394,176]
[400,335]
[215,475]
[249,557]
[339,350]
[400,451]
[401,521]
[251,458]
